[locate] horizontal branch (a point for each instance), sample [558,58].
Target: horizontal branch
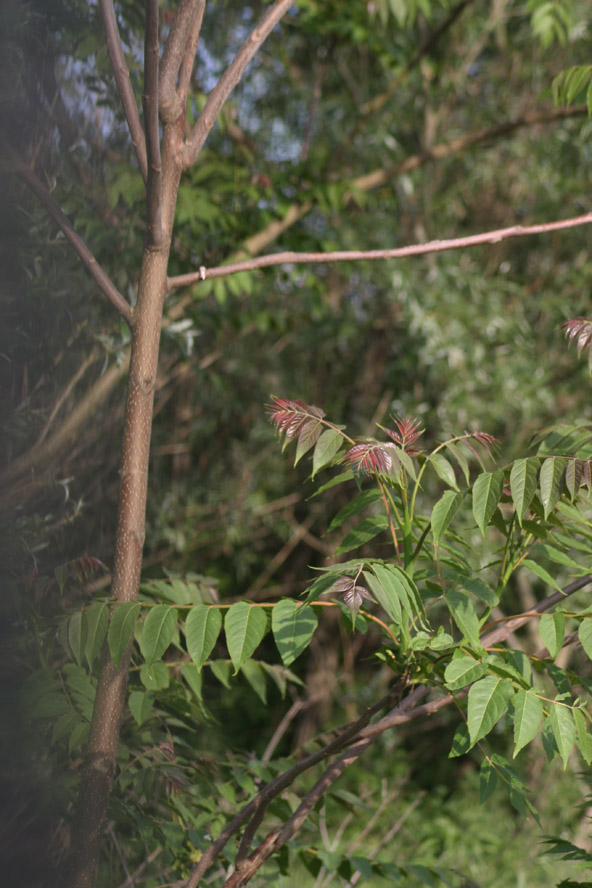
[124,84]
[231,78]
[435,246]
[101,277]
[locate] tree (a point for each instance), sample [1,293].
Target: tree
[162,159]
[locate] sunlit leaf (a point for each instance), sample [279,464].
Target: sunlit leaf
[443,469]
[159,628]
[564,730]
[293,626]
[528,712]
[487,491]
[326,448]
[202,628]
[464,614]
[488,700]
[462,671]
[444,511]
[552,631]
[523,482]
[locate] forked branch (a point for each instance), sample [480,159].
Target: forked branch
[96,271]
[181,34]
[150,105]
[124,84]
[230,79]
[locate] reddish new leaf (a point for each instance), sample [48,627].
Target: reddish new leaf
[370,456]
[579,330]
[406,434]
[290,417]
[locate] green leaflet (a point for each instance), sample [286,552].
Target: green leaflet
[385,592]
[326,448]
[564,730]
[585,635]
[193,677]
[121,629]
[541,573]
[487,780]
[462,671]
[523,482]
[528,712]
[154,677]
[140,704]
[97,621]
[77,633]
[488,700]
[245,625]
[552,631]
[308,437]
[255,675]
[354,506]
[202,628]
[487,491]
[159,628]
[550,483]
[464,614]
[293,626]
[583,738]
[221,669]
[443,468]
[365,531]
[444,511]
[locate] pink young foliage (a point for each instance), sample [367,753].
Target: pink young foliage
[579,330]
[290,417]
[350,593]
[371,456]
[406,434]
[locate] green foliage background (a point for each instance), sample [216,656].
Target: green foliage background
[462,341]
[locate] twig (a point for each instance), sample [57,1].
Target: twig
[101,277]
[435,246]
[129,882]
[150,105]
[230,79]
[124,85]
[180,34]
[312,111]
[90,359]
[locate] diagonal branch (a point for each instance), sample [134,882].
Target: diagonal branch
[231,78]
[435,246]
[150,106]
[181,35]
[124,85]
[96,271]
[190,51]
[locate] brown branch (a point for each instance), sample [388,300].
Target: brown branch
[66,392]
[150,106]
[231,78]
[312,111]
[435,246]
[96,271]
[181,34]
[190,51]
[124,85]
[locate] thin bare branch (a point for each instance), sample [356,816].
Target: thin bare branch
[96,271]
[230,79]
[180,34]
[150,105]
[190,51]
[435,246]
[124,84]
[66,392]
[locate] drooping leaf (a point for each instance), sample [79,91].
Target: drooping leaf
[221,669]
[354,506]
[550,483]
[352,594]
[487,780]
[255,675]
[159,628]
[487,491]
[77,634]
[121,629]
[202,628]
[373,457]
[528,712]
[443,469]
[308,436]
[464,614]
[541,573]
[154,677]
[583,737]
[444,511]
[585,635]
[385,592]
[564,730]
[245,625]
[193,676]
[293,626]
[140,704]
[488,700]
[326,448]
[97,621]
[462,671]
[461,742]
[523,482]
[365,531]
[552,631]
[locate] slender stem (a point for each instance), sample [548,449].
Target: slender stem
[231,78]
[124,84]
[150,105]
[435,246]
[190,51]
[180,34]
[96,271]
